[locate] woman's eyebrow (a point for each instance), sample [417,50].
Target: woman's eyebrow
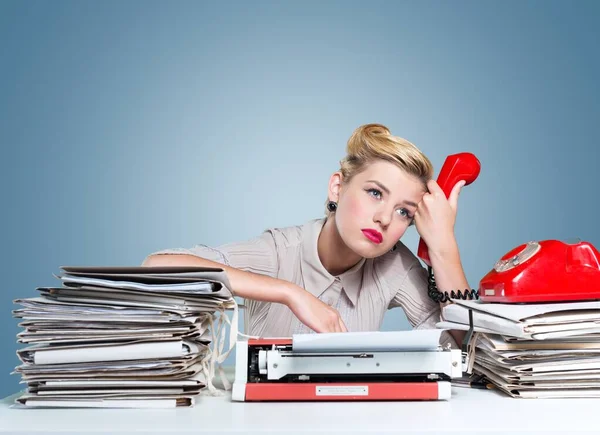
[386,190]
[381,186]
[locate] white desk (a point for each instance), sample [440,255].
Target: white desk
[469,411]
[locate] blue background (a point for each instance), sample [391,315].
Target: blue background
[130,127]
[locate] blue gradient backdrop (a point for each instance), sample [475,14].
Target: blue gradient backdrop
[129,127]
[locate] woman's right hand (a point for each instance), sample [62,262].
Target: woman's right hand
[314,313]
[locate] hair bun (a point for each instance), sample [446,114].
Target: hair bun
[364,136]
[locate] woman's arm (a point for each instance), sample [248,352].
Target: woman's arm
[315,314]
[449,275]
[435,218]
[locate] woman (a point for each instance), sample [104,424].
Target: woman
[342,272]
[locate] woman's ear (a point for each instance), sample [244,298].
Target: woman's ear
[335,186]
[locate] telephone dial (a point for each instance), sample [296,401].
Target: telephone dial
[537,271]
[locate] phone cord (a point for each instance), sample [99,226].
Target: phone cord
[439,296]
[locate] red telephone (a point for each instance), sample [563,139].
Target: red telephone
[544,271]
[456,167]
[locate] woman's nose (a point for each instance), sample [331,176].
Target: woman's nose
[383,217]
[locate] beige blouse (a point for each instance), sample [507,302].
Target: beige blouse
[361,295]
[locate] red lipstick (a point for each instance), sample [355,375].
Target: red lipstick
[373,235]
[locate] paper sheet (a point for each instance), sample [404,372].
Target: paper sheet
[194,287]
[375,341]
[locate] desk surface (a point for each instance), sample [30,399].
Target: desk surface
[469,410]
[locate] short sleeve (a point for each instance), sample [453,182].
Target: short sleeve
[408,280]
[257,255]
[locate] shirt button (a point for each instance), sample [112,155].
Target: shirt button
[330,302]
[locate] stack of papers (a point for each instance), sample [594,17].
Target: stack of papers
[534,350]
[122,337]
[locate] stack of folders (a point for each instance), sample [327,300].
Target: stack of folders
[141,337]
[533,350]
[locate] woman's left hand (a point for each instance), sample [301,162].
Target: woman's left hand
[435,216]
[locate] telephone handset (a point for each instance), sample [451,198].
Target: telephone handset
[456,167]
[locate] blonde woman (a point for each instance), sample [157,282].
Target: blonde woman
[342,272]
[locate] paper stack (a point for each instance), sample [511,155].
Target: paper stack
[123,337]
[534,350]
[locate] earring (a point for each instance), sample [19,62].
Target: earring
[332,206]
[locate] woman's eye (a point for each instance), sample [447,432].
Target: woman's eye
[404,212]
[374,193]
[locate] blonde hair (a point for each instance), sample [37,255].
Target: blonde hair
[371,142]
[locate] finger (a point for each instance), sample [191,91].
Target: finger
[434,187]
[335,327]
[428,198]
[318,329]
[342,326]
[417,217]
[453,198]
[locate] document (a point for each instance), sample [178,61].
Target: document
[559,387]
[193,287]
[158,275]
[34,401]
[537,313]
[124,370]
[531,321]
[64,354]
[501,343]
[375,341]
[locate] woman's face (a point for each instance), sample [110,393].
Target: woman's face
[376,207]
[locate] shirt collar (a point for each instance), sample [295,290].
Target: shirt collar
[316,278]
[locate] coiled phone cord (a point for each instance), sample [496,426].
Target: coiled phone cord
[439,296]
